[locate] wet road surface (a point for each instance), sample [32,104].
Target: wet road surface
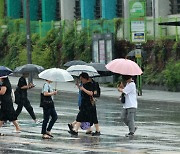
[158,129]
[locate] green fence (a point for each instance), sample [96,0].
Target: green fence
[95,26]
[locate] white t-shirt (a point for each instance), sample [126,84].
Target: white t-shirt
[47,88]
[130,96]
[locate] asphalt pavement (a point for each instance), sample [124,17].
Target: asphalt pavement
[157,121]
[147,95]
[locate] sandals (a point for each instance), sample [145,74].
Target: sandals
[45,136]
[49,135]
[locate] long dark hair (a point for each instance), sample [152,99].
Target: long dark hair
[6,82]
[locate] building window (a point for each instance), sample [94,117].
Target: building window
[149,8]
[97,9]
[58,14]
[5,8]
[174,6]
[119,8]
[77,10]
[39,13]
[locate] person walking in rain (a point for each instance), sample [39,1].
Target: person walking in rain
[84,114]
[94,119]
[48,110]
[24,101]
[7,111]
[129,107]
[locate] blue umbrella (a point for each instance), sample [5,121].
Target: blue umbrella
[4,71]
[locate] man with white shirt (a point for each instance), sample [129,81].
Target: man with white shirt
[129,107]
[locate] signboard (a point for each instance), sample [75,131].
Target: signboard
[137,26]
[138,53]
[108,51]
[138,37]
[102,51]
[137,8]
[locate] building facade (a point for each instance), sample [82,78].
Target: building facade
[55,10]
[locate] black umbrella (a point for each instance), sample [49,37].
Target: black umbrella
[29,68]
[74,62]
[101,69]
[4,71]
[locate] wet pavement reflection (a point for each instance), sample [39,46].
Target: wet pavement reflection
[158,129]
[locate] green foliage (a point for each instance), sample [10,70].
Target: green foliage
[172,75]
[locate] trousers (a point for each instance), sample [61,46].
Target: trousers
[47,113]
[128,117]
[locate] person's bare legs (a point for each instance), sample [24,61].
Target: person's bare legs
[17,126]
[77,126]
[1,123]
[74,123]
[97,127]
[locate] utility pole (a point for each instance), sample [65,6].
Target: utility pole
[154,19]
[28,37]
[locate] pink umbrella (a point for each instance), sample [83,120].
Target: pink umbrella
[124,67]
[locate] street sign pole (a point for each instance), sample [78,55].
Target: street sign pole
[137,13]
[28,38]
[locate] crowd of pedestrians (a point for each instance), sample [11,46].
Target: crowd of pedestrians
[87,107]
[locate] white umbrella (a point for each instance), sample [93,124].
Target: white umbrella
[76,70]
[56,74]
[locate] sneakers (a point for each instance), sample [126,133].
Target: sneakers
[72,132]
[131,133]
[96,133]
[70,127]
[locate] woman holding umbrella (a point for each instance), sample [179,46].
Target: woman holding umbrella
[130,105]
[7,111]
[47,104]
[84,114]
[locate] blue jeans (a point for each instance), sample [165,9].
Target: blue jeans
[47,112]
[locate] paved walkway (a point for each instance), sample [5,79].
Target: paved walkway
[148,95]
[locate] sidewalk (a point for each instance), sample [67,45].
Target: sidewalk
[148,95]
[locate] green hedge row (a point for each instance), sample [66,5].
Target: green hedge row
[161,64]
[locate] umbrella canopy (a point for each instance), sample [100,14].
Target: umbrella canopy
[124,67]
[76,70]
[75,62]
[101,69]
[56,74]
[4,71]
[29,68]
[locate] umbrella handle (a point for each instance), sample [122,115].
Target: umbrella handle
[55,85]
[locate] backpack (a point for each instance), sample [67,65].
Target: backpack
[96,89]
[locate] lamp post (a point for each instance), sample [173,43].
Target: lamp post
[28,37]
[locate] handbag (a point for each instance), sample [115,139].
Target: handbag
[46,101]
[123,98]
